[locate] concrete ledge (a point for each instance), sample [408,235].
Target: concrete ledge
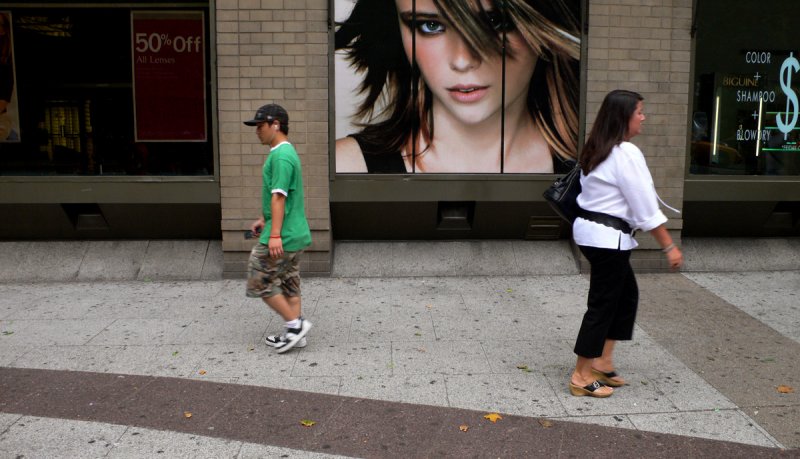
[27,261]
[35,261]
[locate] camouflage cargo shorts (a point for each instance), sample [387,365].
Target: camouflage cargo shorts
[267,276]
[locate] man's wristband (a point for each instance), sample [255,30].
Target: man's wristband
[669,247]
[274,237]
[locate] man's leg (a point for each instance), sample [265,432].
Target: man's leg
[283,306]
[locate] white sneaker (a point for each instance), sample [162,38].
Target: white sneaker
[293,336]
[275,340]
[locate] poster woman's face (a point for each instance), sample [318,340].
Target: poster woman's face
[466,86]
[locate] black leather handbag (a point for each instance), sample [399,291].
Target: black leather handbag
[562,195]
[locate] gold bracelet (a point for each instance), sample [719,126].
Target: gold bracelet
[669,247]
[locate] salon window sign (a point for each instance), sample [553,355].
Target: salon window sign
[767,101]
[169,76]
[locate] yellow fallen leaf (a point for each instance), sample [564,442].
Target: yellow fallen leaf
[463,427]
[493,417]
[546,423]
[187,414]
[307,423]
[202,372]
[785,389]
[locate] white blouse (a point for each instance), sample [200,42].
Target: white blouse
[623,187]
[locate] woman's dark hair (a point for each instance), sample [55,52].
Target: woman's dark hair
[372,40]
[610,127]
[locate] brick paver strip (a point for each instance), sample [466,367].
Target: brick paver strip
[344,425]
[740,356]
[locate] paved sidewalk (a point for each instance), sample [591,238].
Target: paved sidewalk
[396,364]
[708,355]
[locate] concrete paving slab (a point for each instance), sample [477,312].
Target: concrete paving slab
[528,394]
[531,356]
[36,265]
[167,260]
[361,259]
[694,255]
[728,254]
[9,353]
[716,425]
[483,258]
[141,332]
[392,323]
[244,361]
[43,332]
[446,258]
[79,358]
[214,263]
[330,326]
[112,260]
[6,419]
[419,389]
[543,258]
[138,442]
[55,306]
[12,255]
[636,397]
[170,361]
[211,330]
[42,437]
[439,357]
[345,359]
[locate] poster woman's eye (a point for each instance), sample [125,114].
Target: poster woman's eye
[431,27]
[426,25]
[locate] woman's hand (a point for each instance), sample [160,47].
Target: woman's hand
[675,258]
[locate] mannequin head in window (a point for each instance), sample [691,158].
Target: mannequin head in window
[458,91]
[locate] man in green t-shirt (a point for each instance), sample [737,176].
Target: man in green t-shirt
[274,265]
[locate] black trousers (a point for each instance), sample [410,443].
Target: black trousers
[612,303]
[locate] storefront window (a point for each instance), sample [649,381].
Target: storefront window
[104,91]
[746,118]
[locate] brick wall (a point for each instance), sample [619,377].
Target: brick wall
[645,46]
[272,51]
[277,51]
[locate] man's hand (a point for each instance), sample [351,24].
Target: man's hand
[275,247]
[257,226]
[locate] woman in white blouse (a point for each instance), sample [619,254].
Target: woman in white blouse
[617,198]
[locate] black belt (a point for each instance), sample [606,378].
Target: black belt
[607,220]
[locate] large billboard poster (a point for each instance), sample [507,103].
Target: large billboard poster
[456,87]
[169,78]
[9,117]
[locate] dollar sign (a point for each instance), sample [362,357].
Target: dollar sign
[791,96]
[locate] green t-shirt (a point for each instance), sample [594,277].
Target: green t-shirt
[282,174]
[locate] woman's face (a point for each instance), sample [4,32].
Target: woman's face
[463,84]
[635,123]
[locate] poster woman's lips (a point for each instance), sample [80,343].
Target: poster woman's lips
[467,93]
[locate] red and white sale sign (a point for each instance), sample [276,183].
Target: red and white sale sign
[169,76]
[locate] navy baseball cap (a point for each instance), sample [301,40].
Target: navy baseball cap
[269,113]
